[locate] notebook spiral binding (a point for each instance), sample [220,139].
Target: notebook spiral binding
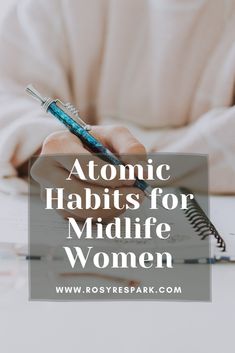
[200,222]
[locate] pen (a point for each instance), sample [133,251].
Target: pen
[80,129]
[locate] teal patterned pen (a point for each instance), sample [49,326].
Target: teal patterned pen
[77,127]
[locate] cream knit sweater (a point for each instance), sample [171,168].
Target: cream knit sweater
[165,68]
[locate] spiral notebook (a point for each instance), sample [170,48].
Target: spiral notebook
[222,244]
[205,229]
[195,239]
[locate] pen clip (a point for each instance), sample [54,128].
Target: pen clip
[75,112]
[45,103]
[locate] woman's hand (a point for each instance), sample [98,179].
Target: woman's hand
[63,147]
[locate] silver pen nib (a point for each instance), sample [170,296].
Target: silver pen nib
[35,94]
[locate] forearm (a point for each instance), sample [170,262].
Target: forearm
[212,135]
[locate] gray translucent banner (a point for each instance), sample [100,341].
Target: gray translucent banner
[95,237]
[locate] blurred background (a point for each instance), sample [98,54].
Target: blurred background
[5,5]
[177,105]
[115,327]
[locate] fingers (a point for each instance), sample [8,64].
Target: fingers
[64,147]
[59,153]
[62,142]
[120,140]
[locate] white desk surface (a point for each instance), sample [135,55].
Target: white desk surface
[123,326]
